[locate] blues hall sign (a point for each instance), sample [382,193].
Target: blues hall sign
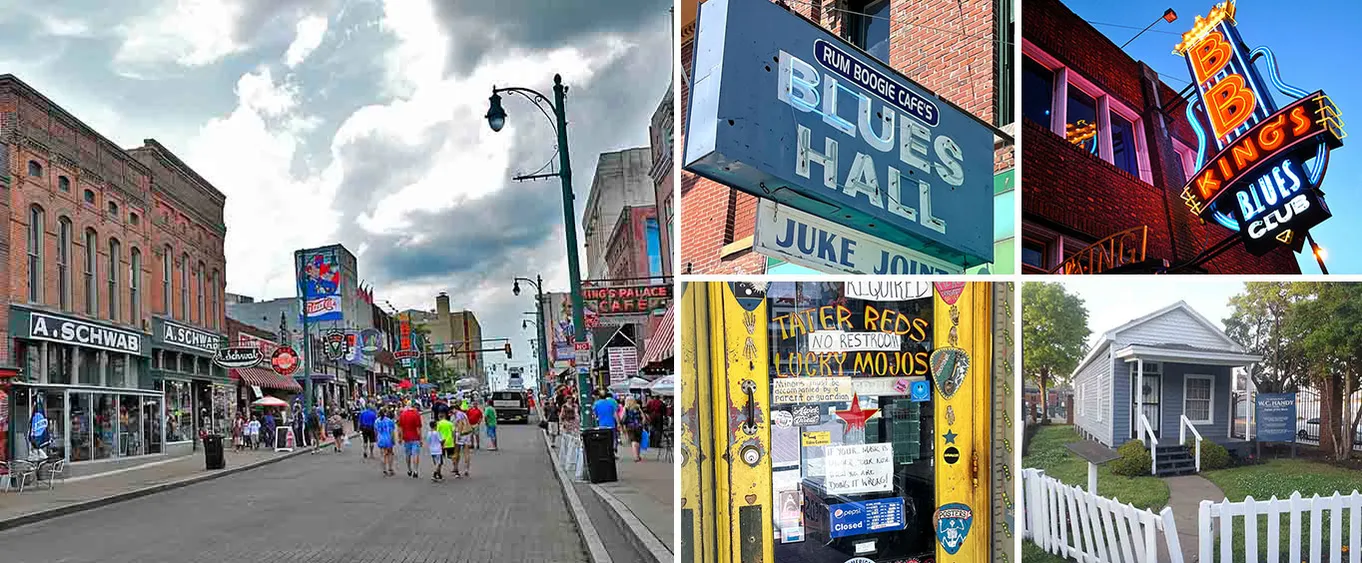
[784,110]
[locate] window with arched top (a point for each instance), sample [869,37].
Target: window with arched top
[64,263]
[214,313]
[89,197]
[34,169]
[199,281]
[115,262]
[91,262]
[64,184]
[184,286]
[36,217]
[113,210]
[135,287]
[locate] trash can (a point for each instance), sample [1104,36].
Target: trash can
[212,452]
[598,449]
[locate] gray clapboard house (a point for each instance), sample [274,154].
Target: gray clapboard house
[1181,364]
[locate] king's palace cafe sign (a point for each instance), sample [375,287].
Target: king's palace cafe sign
[37,325]
[786,111]
[1259,166]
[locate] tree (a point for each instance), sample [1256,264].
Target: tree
[1259,323]
[1327,319]
[1054,331]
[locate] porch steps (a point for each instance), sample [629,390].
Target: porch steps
[1173,460]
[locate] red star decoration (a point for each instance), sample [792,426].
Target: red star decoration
[855,417]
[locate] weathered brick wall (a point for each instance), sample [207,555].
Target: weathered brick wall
[940,44]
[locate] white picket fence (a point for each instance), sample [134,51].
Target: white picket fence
[1248,512]
[1067,521]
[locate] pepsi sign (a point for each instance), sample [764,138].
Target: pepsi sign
[782,109]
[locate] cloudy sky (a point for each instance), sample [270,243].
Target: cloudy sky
[1114,300]
[362,122]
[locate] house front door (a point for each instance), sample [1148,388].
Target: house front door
[1150,396]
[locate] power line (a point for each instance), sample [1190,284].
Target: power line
[1133,27]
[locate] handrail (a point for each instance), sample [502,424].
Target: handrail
[1153,444]
[1183,425]
[1120,249]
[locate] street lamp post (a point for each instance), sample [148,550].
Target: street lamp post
[496,119]
[538,284]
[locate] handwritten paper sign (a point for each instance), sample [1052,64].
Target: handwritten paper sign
[789,390]
[858,469]
[830,341]
[888,290]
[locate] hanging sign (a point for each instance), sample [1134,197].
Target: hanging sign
[284,361]
[1253,175]
[800,238]
[237,357]
[333,345]
[370,341]
[863,146]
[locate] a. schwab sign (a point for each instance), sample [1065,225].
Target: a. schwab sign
[800,238]
[56,328]
[784,110]
[184,336]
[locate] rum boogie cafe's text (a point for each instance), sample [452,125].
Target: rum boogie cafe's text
[71,331]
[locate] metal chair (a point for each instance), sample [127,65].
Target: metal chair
[21,470]
[51,471]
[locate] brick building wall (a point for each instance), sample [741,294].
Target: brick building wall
[1072,192]
[627,253]
[88,180]
[942,45]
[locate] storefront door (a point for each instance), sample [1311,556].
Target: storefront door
[1149,395]
[813,429]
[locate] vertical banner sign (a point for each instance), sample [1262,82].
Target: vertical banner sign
[558,329]
[404,333]
[1276,417]
[319,284]
[1259,167]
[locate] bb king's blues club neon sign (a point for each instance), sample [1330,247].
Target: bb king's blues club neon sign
[782,109]
[1259,167]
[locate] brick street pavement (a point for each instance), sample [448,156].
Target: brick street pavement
[328,508]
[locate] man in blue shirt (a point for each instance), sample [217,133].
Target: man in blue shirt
[367,418]
[606,409]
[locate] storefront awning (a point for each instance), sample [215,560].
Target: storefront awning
[264,378]
[660,344]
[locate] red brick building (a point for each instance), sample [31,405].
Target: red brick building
[1108,191]
[948,47]
[112,287]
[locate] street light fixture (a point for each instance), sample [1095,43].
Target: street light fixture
[496,119]
[1169,16]
[538,283]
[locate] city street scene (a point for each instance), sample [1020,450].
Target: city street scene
[336,281]
[1188,137]
[867,421]
[1196,420]
[862,137]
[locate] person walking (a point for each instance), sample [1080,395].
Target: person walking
[253,432]
[606,410]
[239,433]
[551,415]
[384,428]
[365,421]
[463,444]
[633,420]
[489,418]
[569,416]
[449,437]
[268,426]
[435,443]
[475,419]
[335,427]
[657,417]
[410,424]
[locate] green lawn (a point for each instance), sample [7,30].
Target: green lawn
[1033,554]
[1280,477]
[1048,453]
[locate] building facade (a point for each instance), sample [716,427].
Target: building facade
[112,291]
[969,67]
[456,335]
[1108,150]
[661,135]
[622,180]
[635,247]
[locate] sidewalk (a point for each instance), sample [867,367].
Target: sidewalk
[644,489]
[91,491]
[1185,493]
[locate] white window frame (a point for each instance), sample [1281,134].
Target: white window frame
[1210,379]
[1059,107]
[1186,157]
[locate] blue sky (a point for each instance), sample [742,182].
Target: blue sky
[1313,53]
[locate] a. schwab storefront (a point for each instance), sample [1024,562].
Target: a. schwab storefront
[92,384]
[199,396]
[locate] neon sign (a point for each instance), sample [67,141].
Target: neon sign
[1264,176]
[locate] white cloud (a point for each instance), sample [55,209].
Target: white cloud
[186,32]
[311,30]
[257,91]
[65,27]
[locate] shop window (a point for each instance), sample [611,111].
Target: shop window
[1123,145]
[36,219]
[179,411]
[869,24]
[118,364]
[34,169]
[89,367]
[135,287]
[115,260]
[1186,157]
[1198,398]
[60,360]
[1033,254]
[199,281]
[64,263]
[91,262]
[184,287]
[1038,91]
[104,421]
[64,184]
[165,282]
[131,431]
[82,427]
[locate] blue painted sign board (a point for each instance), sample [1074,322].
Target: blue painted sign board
[1276,417]
[867,517]
[786,111]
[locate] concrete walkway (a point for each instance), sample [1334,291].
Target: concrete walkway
[1185,493]
[645,489]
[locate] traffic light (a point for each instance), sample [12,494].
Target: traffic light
[508,350]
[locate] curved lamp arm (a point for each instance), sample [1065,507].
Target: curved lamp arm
[539,101]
